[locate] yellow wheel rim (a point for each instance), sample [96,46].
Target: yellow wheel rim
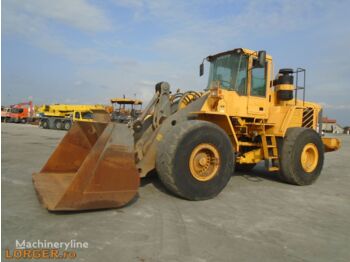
[309,157]
[204,162]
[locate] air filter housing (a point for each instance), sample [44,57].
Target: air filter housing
[284,84]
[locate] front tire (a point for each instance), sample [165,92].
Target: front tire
[45,124]
[195,160]
[302,156]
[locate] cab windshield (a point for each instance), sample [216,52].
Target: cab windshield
[16,110]
[87,115]
[231,71]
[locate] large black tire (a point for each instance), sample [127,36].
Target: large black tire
[174,153]
[58,124]
[291,168]
[67,125]
[45,124]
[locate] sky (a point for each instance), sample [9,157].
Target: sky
[88,51]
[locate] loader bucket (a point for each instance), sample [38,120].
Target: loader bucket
[93,167]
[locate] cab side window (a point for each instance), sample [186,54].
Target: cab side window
[241,80]
[258,81]
[77,115]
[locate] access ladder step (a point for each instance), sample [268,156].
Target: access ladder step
[270,150]
[269,142]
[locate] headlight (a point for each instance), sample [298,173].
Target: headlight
[214,92]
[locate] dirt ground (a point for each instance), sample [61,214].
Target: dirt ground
[255,218]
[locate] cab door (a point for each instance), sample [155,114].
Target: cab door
[258,103]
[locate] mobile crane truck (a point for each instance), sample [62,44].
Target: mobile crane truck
[62,116]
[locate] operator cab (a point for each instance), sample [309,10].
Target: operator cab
[244,73]
[83,115]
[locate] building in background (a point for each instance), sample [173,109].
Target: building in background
[330,126]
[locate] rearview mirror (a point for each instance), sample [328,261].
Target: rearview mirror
[201,69]
[261,58]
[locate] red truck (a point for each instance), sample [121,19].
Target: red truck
[22,112]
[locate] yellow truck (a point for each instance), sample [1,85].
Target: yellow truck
[62,116]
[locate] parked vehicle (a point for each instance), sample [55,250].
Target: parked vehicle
[125,109]
[62,116]
[194,140]
[5,114]
[22,112]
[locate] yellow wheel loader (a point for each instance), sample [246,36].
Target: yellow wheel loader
[194,140]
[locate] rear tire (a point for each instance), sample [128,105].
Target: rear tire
[302,156]
[67,125]
[195,160]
